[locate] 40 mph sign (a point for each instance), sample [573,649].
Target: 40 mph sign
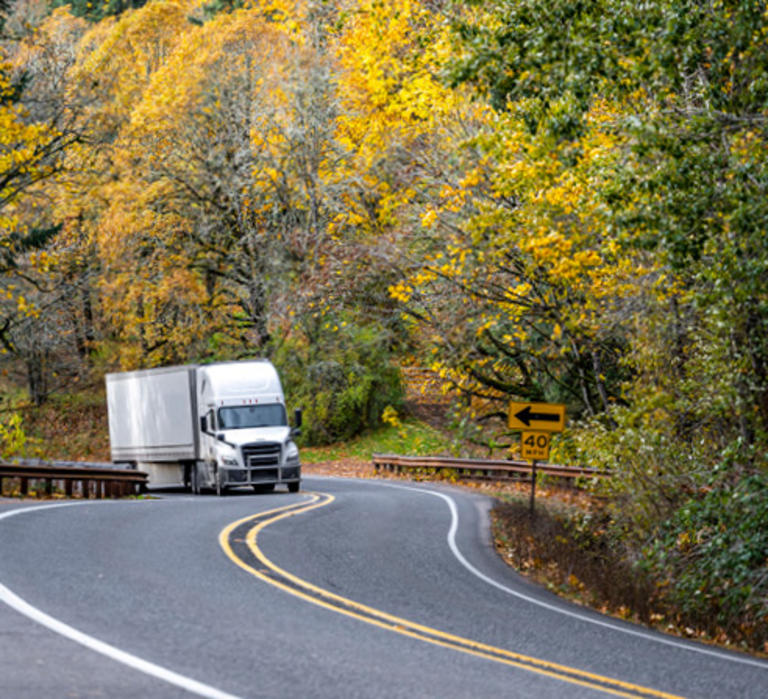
[535,446]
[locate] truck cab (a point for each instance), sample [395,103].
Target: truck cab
[245,438]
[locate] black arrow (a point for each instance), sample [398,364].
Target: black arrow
[526,416]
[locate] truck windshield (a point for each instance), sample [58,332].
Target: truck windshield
[269,415]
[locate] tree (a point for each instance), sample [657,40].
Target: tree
[40,127]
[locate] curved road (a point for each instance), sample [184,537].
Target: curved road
[347,589]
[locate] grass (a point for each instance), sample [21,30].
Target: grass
[409,438]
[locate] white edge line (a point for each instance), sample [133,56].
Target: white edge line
[655,637]
[132,661]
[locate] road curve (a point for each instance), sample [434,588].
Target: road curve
[348,589]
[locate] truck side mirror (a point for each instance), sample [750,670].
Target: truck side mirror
[296,429]
[203,424]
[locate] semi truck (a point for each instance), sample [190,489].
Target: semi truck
[205,426]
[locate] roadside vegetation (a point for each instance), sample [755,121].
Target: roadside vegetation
[474,201]
[397,436]
[572,548]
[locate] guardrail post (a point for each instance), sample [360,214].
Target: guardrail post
[24,487]
[68,487]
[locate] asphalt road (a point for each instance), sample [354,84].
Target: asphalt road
[370,590]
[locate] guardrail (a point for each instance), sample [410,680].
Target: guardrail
[481,469]
[99,480]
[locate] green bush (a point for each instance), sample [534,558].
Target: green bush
[711,559]
[343,382]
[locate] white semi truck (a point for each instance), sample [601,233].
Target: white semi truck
[207,426]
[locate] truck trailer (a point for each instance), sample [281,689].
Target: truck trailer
[205,426]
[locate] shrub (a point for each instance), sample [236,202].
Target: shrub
[343,383]
[711,559]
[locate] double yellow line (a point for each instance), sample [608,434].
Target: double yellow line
[239,541]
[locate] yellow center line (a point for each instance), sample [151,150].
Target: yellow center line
[376,617]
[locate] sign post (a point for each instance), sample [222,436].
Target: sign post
[536,421]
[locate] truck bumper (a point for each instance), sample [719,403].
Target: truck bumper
[246,476]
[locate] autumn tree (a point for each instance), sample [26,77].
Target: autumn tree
[114,65]
[41,127]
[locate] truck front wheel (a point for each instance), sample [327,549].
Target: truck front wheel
[293,487]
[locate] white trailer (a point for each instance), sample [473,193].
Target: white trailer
[205,426]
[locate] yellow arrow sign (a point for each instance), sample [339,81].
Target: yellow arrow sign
[542,417]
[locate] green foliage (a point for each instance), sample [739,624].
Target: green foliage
[712,558]
[653,470]
[214,7]
[542,50]
[343,379]
[95,11]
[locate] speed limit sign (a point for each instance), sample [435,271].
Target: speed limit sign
[535,446]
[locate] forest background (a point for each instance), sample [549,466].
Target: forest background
[536,200]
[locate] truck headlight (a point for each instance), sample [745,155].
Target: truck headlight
[291,453]
[228,459]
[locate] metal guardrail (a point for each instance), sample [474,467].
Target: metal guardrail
[481,469]
[99,480]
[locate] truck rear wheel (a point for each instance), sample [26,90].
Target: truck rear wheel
[263,487]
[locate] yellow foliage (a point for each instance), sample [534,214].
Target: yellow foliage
[12,436]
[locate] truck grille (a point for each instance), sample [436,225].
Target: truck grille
[263,459]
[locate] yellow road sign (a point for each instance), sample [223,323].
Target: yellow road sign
[542,417]
[535,446]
